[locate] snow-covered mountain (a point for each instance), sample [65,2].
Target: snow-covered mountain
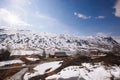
[117,38]
[21,39]
[26,43]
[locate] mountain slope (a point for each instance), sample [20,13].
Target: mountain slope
[20,39]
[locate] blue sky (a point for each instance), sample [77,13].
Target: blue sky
[80,17]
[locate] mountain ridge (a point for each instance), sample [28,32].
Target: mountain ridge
[16,39]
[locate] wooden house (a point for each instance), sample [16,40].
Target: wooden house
[93,53]
[60,54]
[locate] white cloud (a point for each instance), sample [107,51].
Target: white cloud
[117,8]
[48,23]
[14,14]
[100,17]
[11,19]
[20,11]
[21,7]
[82,16]
[20,3]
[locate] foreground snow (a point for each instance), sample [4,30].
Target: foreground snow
[3,63]
[41,69]
[84,72]
[88,72]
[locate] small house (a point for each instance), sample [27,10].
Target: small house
[60,54]
[93,53]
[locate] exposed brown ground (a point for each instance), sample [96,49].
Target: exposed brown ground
[4,74]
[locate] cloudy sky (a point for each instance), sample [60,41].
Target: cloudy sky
[83,17]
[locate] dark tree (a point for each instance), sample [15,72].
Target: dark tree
[4,54]
[44,54]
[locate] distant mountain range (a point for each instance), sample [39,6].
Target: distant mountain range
[21,39]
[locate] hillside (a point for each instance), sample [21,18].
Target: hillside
[20,39]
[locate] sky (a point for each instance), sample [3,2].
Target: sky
[80,17]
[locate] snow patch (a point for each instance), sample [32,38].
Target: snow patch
[41,69]
[3,63]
